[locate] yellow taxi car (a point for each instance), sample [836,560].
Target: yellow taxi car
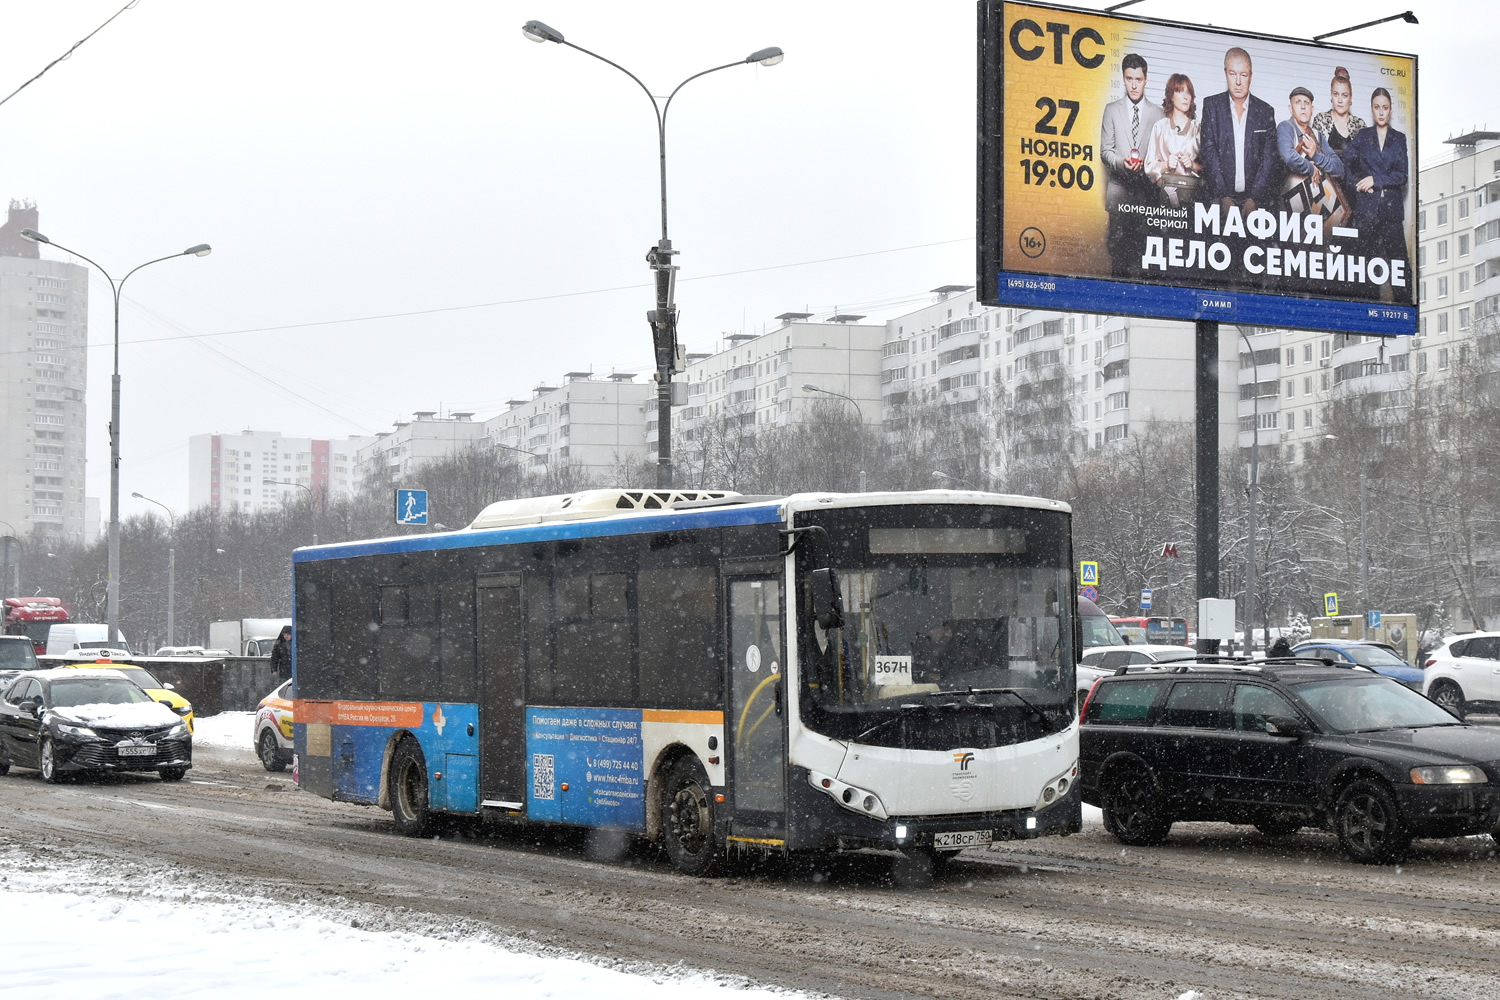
[142,678]
[273,728]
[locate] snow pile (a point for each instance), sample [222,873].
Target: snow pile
[227,729]
[134,931]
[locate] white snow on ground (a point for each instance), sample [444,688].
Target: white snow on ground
[227,729]
[119,930]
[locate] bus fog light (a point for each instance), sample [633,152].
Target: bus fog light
[869,802]
[1049,793]
[848,795]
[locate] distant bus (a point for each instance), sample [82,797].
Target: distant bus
[1156,631]
[713,672]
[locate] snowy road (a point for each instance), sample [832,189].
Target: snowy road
[1216,910]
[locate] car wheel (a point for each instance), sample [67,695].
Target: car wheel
[269,752]
[1278,827]
[408,789]
[687,820]
[173,773]
[49,770]
[1370,828]
[1448,695]
[1135,809]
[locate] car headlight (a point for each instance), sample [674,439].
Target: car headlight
[178,732]
[83,731]
[1466,775]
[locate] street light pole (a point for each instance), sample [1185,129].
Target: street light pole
[112,591]
[171,569]
[809,387]
[663,318]
[1364,550]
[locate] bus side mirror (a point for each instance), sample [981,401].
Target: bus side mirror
[828,603]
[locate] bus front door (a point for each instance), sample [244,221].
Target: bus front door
[757,719]
[502,709]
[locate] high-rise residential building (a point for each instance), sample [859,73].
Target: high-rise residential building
[593,424]
[43,373]
[260,470]
[411,443]
[759,380]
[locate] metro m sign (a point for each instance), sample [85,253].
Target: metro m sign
[1169,550]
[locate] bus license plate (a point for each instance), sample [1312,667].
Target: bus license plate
[137,750]
[962,838]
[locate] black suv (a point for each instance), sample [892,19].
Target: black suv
[1283,746]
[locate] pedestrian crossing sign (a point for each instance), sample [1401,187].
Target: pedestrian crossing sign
[1088,574]
[1331,605]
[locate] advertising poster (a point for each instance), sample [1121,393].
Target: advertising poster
[1145,168]
[584,765]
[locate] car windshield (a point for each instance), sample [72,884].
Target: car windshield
[1098,630]
[17,655]
[1368,704]
[1373,656]
[95,691]
[140,676]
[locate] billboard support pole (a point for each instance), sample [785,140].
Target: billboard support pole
[1206,464]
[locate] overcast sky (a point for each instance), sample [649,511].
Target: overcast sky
[412,207]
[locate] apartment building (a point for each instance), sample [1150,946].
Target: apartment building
[43,374]
[759,380]
[594,424]
[411,443]
[260,470]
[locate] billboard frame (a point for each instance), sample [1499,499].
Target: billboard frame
[1146,299]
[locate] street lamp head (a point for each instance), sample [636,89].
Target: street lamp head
[768,56]
[201,250]
[1409,17]
[809,387]
[539,32]
[32,236]
[137,496]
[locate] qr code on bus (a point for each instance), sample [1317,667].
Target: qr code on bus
[543,780]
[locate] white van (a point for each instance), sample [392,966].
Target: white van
[63,639]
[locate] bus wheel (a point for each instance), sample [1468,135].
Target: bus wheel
[687,820]
[409,789]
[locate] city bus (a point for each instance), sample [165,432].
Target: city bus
[713,672]
[1158,630]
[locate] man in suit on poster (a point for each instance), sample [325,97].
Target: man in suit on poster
[1241,164]
[1127,124]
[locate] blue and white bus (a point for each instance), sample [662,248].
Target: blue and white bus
[714,672]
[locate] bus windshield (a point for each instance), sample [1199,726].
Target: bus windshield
[969,617]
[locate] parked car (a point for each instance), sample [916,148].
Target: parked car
[1464,673]
[116,658]
[67,720]
[1103,660]
[1378,656]
[1285,746]
[17,653]
[273,728]
[179,651]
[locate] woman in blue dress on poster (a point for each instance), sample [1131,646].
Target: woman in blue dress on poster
[1375,159]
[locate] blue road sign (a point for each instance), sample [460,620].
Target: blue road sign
[1088,573]
[1145,600]
[1091,593]
[411,506]
[1331,605]
[1373,618]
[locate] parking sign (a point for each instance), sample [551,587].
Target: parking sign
[1331,605]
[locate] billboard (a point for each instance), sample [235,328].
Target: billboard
[1147,168]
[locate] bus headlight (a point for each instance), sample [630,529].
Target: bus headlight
[1058,787]
[857,800]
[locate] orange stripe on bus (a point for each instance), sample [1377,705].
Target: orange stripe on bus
[668,715]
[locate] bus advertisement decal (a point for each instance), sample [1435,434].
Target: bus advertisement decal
[585,766]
